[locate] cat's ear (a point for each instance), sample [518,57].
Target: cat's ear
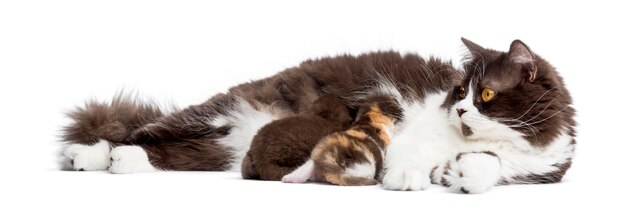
[475,49]
[521,54]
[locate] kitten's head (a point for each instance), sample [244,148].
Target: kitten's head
[333,109]
[510,94]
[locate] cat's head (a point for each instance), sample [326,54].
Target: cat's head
[510,94]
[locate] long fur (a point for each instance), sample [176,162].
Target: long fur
[113,121]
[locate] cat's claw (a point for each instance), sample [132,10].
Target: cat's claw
[405,179]
[471,173]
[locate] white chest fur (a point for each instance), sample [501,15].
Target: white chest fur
[427,138]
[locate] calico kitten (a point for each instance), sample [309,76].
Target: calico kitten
[355,156]
[282,145]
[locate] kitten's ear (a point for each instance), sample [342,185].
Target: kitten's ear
[475,49]
[520,53]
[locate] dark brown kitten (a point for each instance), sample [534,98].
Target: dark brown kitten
[283,145]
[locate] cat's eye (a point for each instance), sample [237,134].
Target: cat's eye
[488,94]
[462,92]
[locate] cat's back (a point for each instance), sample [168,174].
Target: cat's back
[346,76]
[412,74]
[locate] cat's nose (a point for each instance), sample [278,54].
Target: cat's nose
[461,111]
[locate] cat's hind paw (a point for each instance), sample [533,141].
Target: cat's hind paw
[129,159]
[94,157]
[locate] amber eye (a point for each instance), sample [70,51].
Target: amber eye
[488,94]
[462,92]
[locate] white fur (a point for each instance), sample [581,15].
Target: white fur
[89,157]
[301,174]
[405,178]
[367,170]
[479,172]
[130,159]
[431,135]
[246,121]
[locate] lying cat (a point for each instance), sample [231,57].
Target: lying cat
[355,156]
[283,145]
[505,118]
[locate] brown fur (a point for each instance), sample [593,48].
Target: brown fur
[366,140]
[283,145]
[112,121]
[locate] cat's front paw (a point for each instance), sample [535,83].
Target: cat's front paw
[474,172]
[405,179]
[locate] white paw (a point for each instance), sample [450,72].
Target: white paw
[405,179]
[301,174]
[89,157]
[294,178]
[472,173]
[129,159]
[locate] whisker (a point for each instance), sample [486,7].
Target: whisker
[544,109]
[549,116]
[536,101]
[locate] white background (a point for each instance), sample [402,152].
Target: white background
[56,54]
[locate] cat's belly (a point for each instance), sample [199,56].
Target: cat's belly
[425,138]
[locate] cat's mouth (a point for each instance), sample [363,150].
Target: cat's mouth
[466,130]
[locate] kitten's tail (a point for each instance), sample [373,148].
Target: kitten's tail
[113,121]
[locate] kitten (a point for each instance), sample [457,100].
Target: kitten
[355,156]
[504,118]
[282,145]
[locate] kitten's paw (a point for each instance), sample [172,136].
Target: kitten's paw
[472,172]
[301,174]
[405,179]
[129,159]
[294,178]
[88,157]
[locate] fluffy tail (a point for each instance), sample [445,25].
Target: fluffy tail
[112,121]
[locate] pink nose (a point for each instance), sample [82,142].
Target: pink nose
[461,112]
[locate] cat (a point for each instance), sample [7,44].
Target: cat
[353,157]
[509,121]
[283,145]
[522,131]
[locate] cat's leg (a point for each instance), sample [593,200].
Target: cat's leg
[212,136]
[302,174]
[96,127]
[402,167]
[471,172]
